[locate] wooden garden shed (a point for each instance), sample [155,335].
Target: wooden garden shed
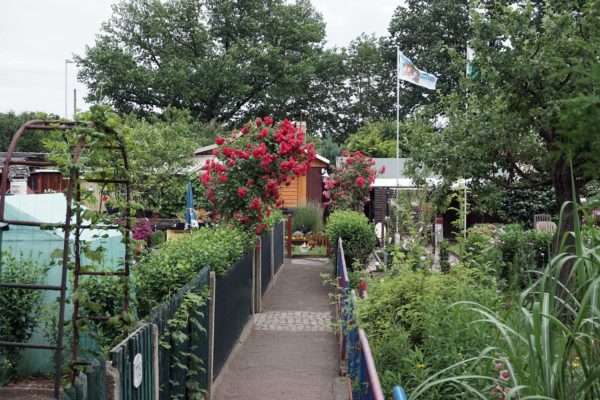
[306,188]
[299,192]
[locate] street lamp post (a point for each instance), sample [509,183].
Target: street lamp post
[67,61]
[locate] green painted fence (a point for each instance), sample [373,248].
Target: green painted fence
[173,355]
[133,359]
[89,385]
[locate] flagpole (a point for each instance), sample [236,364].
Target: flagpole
[397,117]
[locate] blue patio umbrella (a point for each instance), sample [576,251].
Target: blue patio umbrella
[190,214]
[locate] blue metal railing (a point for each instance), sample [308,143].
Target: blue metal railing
[354,344]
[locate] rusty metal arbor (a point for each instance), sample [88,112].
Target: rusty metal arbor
[88,137]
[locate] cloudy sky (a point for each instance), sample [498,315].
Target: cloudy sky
[37,36]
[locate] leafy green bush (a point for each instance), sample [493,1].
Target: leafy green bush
[275,217]
[103,296]
[551,351]
[19,308]
[510,252]
[523,253]
[412,331]
[172,265]
[356,232]
[308,219]
[157,238]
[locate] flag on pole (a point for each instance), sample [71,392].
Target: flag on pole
[408,72]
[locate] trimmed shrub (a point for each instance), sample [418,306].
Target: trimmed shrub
[356,232]
[308,219]
[169,267]
[156,238]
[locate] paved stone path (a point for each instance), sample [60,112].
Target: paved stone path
[294,321]
[291,352]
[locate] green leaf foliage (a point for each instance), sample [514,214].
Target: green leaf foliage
[170,266]
[511,254]
[412,331]
[533,106]
[357,234]
[220,59]
[10,122]
[376,139]
[20,308]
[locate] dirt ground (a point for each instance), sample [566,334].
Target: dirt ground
[30,387]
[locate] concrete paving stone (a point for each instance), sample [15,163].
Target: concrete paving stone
[291,352]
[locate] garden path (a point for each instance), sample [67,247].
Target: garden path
[291,351]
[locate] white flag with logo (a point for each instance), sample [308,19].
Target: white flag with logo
[408,72]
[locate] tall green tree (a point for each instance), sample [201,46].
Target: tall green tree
[377,139]
[429,32]
[160,149]
[10,122]
[531,108]
[221,59]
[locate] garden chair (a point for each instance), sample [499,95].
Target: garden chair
[541,217]
[545,226]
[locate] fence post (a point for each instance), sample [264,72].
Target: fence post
[155,365]
[211,334]
[272,256]
[258,277]
[289,235]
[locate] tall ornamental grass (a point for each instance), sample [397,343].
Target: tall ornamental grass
[308,219]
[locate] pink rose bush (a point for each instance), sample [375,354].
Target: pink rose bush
[242,185]
[348,186]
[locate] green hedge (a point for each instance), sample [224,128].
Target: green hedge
[356,232]
[170,266]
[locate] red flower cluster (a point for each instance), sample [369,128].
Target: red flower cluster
[347,186]
[243,183]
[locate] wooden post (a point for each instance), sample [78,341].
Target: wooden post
[211,335]
[289,235]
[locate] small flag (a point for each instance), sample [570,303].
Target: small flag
[408,72]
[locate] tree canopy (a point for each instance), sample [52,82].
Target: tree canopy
[429,32]
[531,106]
[377,139]
[220,59]
[10,122]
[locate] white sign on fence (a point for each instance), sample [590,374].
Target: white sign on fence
[137,370]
